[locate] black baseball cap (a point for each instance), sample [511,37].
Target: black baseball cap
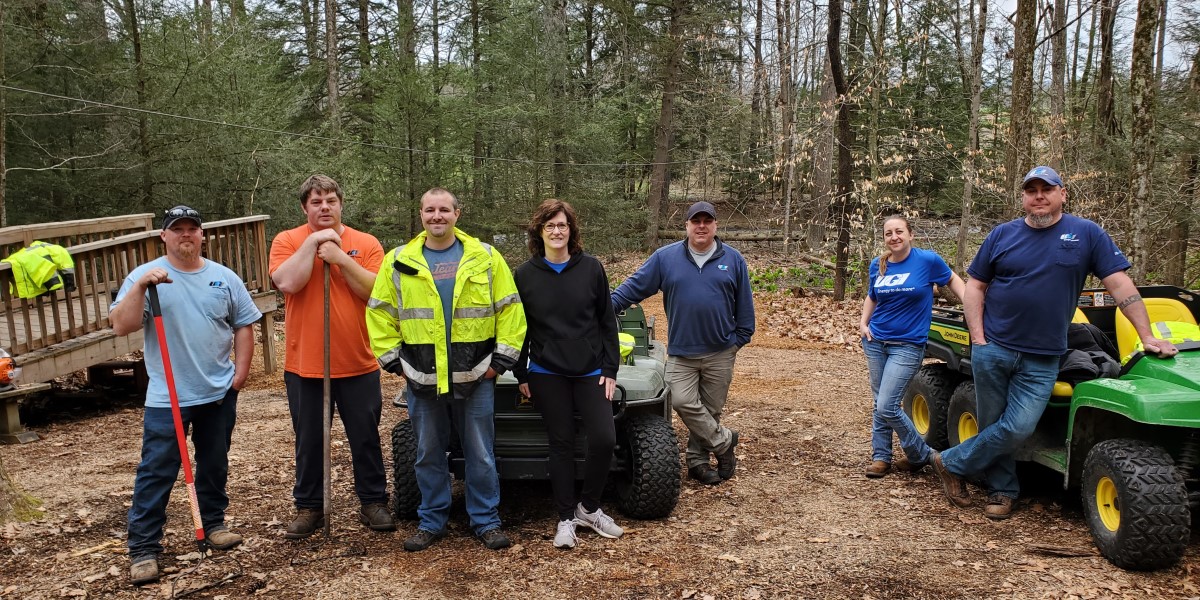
[181,212]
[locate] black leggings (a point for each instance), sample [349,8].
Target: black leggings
[558,398]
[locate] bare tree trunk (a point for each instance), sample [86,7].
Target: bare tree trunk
[845,141]
[135,36]
[972,74]
[309,21]
[406,31]
[1107,124]
[477,125]
[331,62]
[1018,154]
[206,22]
[1182,211]
[364,34]
[657,198]
[3,146]
[1143,136]
[1058,94]
[787,162]
[822,159]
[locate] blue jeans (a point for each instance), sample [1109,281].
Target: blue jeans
[1011,392]
[472,417]
[892,366]
[211,428]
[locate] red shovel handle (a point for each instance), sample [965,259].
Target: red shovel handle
[180,436]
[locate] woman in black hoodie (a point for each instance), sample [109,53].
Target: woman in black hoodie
[571,344]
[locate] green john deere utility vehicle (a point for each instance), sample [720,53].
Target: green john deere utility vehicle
[1130,444]
[646,469]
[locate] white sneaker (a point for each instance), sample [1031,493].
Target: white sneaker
[565,536]
[598,521]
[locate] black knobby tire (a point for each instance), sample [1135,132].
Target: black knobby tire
[406,496]
[648,486]
[1136,504]
[929,396]
[962,417]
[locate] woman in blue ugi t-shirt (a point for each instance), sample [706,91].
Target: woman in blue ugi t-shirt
[894,328]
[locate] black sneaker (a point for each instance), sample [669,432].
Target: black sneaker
[377,517]
[704,474]
[727,460]
[422,539]
[494,539]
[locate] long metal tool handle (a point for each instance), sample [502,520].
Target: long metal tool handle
[180,436]
[328,405]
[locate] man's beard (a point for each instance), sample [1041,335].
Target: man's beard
[1041,221]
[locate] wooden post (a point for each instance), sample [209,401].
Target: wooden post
[11,429]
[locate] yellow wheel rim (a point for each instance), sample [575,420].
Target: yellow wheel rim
[968,427]
[1108,506]
[920,414]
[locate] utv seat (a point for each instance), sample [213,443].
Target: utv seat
[1160,310]
[1061,394]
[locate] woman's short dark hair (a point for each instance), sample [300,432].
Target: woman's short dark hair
[541,215]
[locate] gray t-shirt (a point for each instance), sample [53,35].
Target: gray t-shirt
[443,265]
[702,257]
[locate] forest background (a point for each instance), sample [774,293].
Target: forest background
[804,121]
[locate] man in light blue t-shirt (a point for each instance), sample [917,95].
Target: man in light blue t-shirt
[206,313]
[1025,282]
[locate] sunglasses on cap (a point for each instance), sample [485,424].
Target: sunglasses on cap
[179,213]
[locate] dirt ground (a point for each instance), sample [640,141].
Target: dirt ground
[798,521]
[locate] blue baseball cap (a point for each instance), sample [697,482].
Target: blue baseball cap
[1044,173]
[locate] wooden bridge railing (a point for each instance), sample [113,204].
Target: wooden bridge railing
[73,233]
[32,328]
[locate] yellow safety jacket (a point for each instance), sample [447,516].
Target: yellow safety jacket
[408,330]
[1176,332]
[41,268]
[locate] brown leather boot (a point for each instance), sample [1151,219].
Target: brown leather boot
[877,469]
[306,523]
[999,507]
[953,485]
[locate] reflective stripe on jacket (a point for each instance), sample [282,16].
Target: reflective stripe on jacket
[408,330]
[40,268]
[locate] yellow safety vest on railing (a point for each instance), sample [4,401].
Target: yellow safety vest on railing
[40,269]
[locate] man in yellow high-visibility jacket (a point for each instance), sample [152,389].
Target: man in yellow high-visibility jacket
[445,315]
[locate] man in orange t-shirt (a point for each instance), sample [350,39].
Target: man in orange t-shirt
[297,263]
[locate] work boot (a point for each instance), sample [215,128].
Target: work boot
[494,539]
[306,523]
[907,466]
[143,571]
[727,460]
[422,539]
[877,469]
[953,485]
[223,539]
[377,517]
[999,507]
[704,474]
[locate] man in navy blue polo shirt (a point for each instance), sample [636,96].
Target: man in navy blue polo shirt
[1024,285]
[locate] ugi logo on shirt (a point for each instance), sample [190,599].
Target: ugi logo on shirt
[895,280]
[1069,237]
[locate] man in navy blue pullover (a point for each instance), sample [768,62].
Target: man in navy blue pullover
[710,316]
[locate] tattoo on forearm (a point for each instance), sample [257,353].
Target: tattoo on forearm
[1130,300]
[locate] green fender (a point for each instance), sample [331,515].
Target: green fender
[1154,391]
